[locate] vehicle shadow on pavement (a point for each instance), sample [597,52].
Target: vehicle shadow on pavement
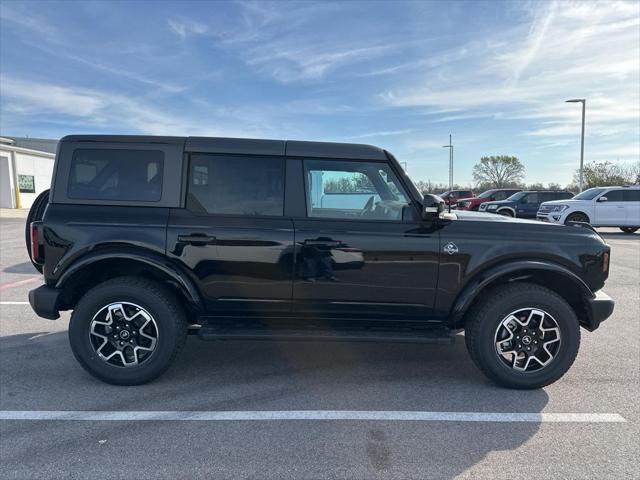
[26,268]
[620,236]
[41,374]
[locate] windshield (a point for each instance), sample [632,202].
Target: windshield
[589,194]
[517,196]
[486,194]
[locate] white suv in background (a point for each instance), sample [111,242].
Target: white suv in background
[600,206]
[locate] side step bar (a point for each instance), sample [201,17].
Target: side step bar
[437,336]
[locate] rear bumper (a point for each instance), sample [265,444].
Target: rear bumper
[599,308]
[45,301]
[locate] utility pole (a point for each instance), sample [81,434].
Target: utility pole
[584,104]
[450,147]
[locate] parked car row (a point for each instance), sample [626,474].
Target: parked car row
[524,204]
[600,207]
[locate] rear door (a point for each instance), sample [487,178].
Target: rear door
[632,207]
[612,210]
[528,205]
[233,235]
[361,249]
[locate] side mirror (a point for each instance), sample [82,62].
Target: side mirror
[432,207]
[603,199]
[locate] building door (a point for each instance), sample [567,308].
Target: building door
[6,192]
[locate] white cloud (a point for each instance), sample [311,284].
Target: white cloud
[100,109]
[573,49]
[184,28]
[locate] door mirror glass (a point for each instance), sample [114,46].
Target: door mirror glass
[432,207]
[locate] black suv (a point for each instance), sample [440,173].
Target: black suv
[148,239]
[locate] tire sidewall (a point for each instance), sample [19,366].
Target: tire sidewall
[92,303]
[577,217]
[569,338]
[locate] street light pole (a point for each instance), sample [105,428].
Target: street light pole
[450,147]
[584,104]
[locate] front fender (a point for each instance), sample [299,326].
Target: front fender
[513,270]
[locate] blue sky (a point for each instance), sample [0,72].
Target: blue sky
[401,75]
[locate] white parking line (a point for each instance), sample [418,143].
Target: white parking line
[313,415]
[14,303]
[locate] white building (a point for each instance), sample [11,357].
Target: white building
[26,168]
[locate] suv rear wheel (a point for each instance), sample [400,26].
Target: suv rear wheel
[523,336]
[127,331]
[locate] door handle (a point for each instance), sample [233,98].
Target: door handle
[197,239]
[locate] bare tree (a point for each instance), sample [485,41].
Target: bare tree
[499,171]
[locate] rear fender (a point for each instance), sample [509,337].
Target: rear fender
[150,259]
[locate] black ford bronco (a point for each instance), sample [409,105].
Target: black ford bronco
[148,239]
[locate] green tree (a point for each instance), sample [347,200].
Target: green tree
[358,183]
[604,174]
[501,171]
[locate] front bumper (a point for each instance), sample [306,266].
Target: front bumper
[552,217]
[598,308]
[45,301]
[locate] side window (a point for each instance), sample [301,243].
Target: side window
[530,198]
[353,190]
[500,195]
[236,185]
[116,174]
[547,196]
[631,196]
[614,195]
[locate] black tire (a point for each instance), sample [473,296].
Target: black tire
[629,229]
[505,213]
[483,321]
[35,215]
[158,301]
[577,217]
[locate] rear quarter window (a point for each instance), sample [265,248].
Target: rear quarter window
[116,174]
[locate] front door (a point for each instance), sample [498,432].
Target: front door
[361,251]
[233,235]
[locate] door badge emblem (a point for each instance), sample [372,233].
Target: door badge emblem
[450,248]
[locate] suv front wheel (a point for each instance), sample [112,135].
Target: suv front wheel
[523,336]
[127,331]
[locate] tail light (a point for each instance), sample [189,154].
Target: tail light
[35,244]
[605,262]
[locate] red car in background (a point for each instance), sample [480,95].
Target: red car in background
[492,195]
[452,197]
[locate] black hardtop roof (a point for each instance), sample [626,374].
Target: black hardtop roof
[248,146]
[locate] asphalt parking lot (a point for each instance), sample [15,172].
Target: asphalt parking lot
[39,374]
